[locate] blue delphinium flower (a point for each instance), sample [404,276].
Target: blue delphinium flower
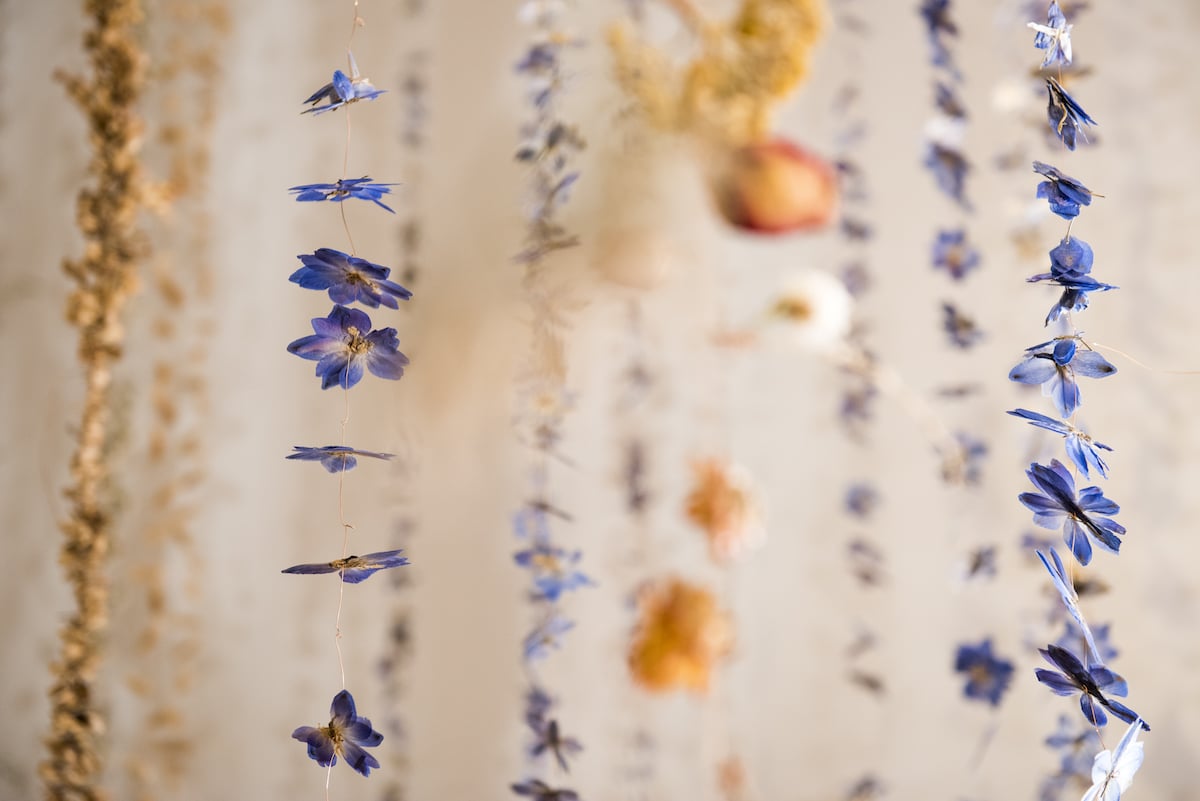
[344,344]
[343,188]
[341,91]
[1082,518]
[334,458]
[1094,684]
[537,706]
[550,739]
[1066,590]
[988,676]
[546,637]
[952,253]
[1063,192]
[349,279]
[354,569]
[938,23]
[960,329]
[538,790]
[861,499]
[553,569]
[1054,37]
[1065,114]
[950,168]
[1054,365]
[1082,450]
[346,736]
[1070,267]
[946,99]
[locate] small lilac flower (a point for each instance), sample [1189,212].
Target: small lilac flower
[553,569]
[538,790]
[1054,365]
[938,23]
[349,279]
[947,101]
[1065,114]
[949,168]
[550,739]
[341,91]
[354,569]
[1082,450]
[861,499]
[537,706]
[361,188]
[988,676]
[952,253]
[546,637]
[343,344]
[334,458]
[1070,267]
[1064,193]
[961,330]
[1056,505]
[981,562]
[346,736]
[1066,590]
[1094,685]
[1054,37]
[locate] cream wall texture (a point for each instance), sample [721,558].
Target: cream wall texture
[266,663]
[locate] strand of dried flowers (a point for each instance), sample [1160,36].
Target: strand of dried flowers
[104,278]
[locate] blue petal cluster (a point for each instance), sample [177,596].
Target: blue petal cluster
[1054,365]
[343,345]
[349,279]
[341,91]
[988,676]
[354,569]
[1066,116]
[954,254]
[341,189]
[334,458]
[1063,192]
[346,736]
[1070,268]
[1094,684]
[1082,450]
[1083,518]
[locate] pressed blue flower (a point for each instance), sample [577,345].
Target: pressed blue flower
[949,168]
[1083,518]
[1066,590]
[947,101]
[546,637]
[530,521]
[1054,37]
[954,254]
[538,790]
[988,676]
[346,736]
[1054,365]
[981,562]
[343,188]
[553,569]
[1065,114]
[1070,267]
[354,569]
[537,706]
[335,458]
[967,464]
[344,344]
[1094,684]
[341,91]
[938,24]
[550,739]
[961,330]
[1096,641]
[1082,450]
[349,279]
[1064,193]
[861,499]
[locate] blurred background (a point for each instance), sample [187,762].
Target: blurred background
[213,657]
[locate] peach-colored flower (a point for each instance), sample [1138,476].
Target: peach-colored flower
[679,637]
[723,506]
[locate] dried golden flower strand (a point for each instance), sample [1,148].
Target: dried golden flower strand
[680,636]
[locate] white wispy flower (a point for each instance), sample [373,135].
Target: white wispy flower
[1112,771]
[812,310]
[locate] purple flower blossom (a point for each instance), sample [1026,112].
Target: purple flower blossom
[361,188]
[1094,684]
[1054,365]
[550,739]
[341,91]
[354,569]
[538,790]
[343,344]
[1063,192]
[1081,449]
[988,676]
[1065,115]
[1082,519]
[861,499]
[335,458]
[1066,590]
[1070,267]
[949,168]
[346,736]
[1054,37]
[553,570]
[349,279]
[954,254]
[546,636]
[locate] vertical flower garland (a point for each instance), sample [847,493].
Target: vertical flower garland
[345,346]
[1085,516]
[104,278]
[547,148]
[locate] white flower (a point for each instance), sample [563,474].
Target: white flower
[812,310]
[1112,771]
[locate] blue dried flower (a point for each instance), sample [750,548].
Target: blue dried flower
[1054,37]
[949,168]
[988,676]
[861,499]
[346,736]
[538,790]
[341,91]
[361,188]
[1066,590]
[349,279]
[961,330]
[546,637]
[335,458]
[343,344]
[550,739]
[1070,265]
[1082,450]
[1064,193]
[1082,519]
[1094,684]
[354,569]
[954,254]
[553,569]
[1054,365]
[1065,114]
[938,23]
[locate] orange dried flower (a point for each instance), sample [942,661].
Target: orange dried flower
[723,506]
[679,637]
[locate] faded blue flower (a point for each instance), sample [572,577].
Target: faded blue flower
[947,101]
[1063,192]
[354,569]
[1094,684]
[546,636]
[538,704]
[553,569]
[1066,590]
[344,344]
[861,499]
[341,91]
[1082,450]
[1054,365]
[938,24]
[346,736]
[334,458]
[1070,267]
[349,279]
[1082,519]
[954,254]
[1065,115]
[343,188]
[1054,37]
[550,739]
[949,168]
[988,676]
[538,790]
[961,330]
